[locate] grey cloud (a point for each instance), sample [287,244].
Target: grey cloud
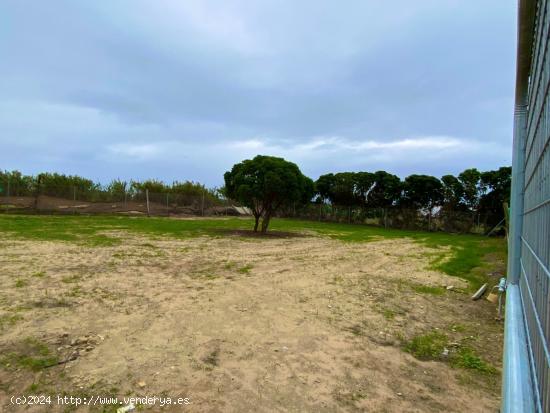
[82,78]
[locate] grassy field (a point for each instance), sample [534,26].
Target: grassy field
[316,317]
[471,255]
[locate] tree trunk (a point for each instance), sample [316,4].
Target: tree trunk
[256,223]
[265,222]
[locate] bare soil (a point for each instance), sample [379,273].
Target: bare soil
[239,324]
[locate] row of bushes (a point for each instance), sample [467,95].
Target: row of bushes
[14,183]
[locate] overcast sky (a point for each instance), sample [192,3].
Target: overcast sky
[179,90]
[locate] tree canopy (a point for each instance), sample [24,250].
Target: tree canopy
[265,184]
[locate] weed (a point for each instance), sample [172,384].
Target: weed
[246,269]
[212,358]
[458,328]
[230,265]
[9,320]
[388,313]
[466,358]
[20,283]
[30,354]
[428,346]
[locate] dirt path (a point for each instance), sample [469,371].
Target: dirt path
[299,324]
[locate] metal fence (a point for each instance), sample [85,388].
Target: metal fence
[437,219]
[127,203]
[526,378]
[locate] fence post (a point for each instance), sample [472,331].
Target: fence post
[37,193]
[147,198]
[8,194]
[74,200]
[202,203]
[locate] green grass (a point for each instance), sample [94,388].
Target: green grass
[430,346]
[467,257]
[388,313]
[21,283]
[30,354]
[467,359]
[245,269]
[9,320]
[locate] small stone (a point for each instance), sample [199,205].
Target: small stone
[64,334]
[400,394]
[89,348]
[142,384]
[74,342]
[445,352]
[449,287]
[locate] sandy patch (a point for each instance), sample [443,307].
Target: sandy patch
[278,324]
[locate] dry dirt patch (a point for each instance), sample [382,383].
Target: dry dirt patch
[237,324]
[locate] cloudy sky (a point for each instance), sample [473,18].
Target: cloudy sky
[181,90]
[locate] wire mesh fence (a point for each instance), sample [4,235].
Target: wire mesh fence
[526,379]
[437,219]
[535,237]
[18,197]
[74,200]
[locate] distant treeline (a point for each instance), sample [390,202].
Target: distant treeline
[470,191]
[14,183]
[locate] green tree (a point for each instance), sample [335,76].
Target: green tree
[344,190]
[325,187]
[453,192]
[365,182]
[495,191]
[386,191]
[265,184]
[422,191]
[470,179]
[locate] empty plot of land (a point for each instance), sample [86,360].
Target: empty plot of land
[235,323]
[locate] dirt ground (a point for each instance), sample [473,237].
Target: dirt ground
[237,324]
